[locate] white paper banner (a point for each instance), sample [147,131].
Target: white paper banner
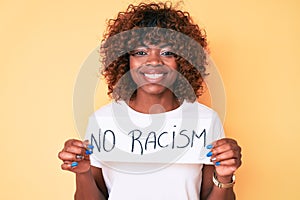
[171,141]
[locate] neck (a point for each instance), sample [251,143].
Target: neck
[153,104]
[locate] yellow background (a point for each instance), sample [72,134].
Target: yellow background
[255,45]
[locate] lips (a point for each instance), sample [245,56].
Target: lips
[153,74]
[153,77]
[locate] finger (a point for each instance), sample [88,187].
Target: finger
[225,147]
[234,164]
[224,141]
[79,157]
[74,142]
[226,155]
[69,165]
[87,145]
[66,156]
[75,149]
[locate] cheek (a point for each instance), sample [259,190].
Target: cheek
[174,76]
[131,63]
[135,62]
[175,72]
[133,74]
[172,64]
[176,67]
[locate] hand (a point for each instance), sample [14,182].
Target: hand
[226,155]
[75,156]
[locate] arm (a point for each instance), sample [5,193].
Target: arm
[210,191]
[90,185]
[226,156]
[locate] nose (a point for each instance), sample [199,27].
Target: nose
[154,57]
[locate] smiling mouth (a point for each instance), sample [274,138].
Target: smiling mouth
[153,76]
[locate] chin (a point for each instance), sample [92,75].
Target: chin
[154,89]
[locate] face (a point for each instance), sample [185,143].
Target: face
[153,68]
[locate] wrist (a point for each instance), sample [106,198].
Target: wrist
[223,181]
[84,173]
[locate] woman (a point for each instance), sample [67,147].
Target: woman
[153,68]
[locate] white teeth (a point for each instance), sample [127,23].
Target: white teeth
[153,76]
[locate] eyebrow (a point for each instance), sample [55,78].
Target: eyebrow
[159,46]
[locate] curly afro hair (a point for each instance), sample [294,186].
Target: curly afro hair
[155,23]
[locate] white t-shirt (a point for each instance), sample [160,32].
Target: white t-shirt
[174,181]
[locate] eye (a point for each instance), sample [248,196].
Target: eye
[168,54]
[138,53]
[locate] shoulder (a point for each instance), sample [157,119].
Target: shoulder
[103,110]
[112,108]
[201,109]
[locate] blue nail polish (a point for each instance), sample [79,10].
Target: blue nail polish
[90,146]
[87,152]
[74,164]
[210,146]
[209,154]
[218,164]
